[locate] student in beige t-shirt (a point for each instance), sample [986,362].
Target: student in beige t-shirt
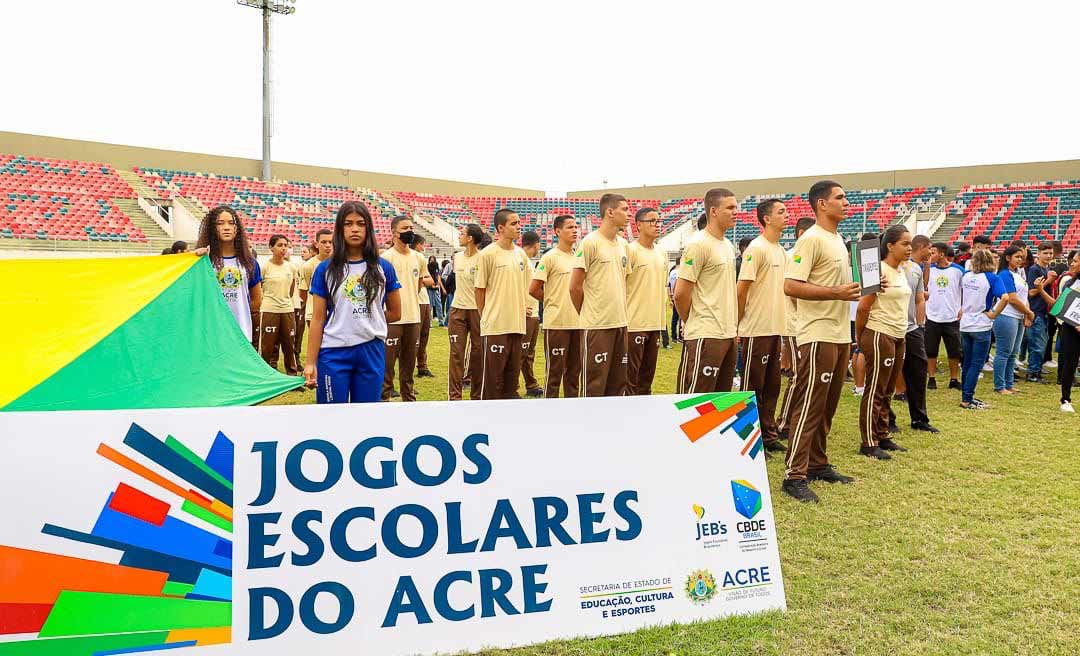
[819,277]
[419,247]
[324,247]
[598,290]
[502,279]
[646,301]
[881,327]
[562,333]
[403,336]
[763,316]
[790,352]
[276,314]
[463,324]
[705,295]
[530,243]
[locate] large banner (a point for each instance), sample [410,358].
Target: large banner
[382,529]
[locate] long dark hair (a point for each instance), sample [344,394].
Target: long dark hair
[208,238]
[1006,255]
[891,236]
[335,273]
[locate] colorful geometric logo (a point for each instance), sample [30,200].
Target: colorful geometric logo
[797,259]
[699,511]
[732,413]
[700,586]
[170,585]
[689,261]
[747,498]
[942,281]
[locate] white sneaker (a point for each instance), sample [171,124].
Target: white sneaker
[736,383]
[1067,407]
[988,367]
[1051,364]
[858,391]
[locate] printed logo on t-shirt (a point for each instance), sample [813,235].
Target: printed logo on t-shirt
[521,266]
[941,281]
[624,261]
[229,277]
[797,259]
[357,295]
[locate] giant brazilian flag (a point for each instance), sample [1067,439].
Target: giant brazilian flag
[126,332]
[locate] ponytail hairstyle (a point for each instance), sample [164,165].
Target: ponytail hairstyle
[208,238]
[1003,263]
[892,235]
[373,279]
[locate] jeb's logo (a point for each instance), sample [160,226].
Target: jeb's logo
[707,530]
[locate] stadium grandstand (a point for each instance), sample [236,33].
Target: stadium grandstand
[118,201]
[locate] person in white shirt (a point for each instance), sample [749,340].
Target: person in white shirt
[943,313]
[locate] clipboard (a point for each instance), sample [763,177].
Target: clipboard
[866,266]
[1067,307]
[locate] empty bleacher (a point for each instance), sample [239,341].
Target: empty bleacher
[1027,211]
[60,199]
[294,209]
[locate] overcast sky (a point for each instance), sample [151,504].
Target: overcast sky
[559,95]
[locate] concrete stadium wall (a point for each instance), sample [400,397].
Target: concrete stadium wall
[128,157]
[950,177]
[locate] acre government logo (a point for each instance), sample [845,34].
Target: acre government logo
[700,586]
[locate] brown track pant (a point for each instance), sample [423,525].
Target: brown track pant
[298,338]
[501,367]
[761,375]
[884,360]
[789,394]
[642,349]
[707,365]
[603,362]
[563,362]
[528,345]
[402,341]
[466,353]
[256,328]
[425,332]
[818,385]
[276,331]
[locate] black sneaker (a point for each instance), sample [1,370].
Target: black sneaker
[901,397]
[775,446]
[923,426]
[534,394]
[888,445]
[955,384]
[829,475]
[874,452]
[799,490]
[931,383]
[894,429]
[1033,378]
[424,373]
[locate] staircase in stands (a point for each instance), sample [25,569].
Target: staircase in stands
[436,245]
[952,221]
[193,206]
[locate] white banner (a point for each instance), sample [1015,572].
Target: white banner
[387,529]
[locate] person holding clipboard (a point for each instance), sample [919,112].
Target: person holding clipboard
[881,328]
[1067,311]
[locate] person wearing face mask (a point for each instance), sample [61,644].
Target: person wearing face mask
[403,335]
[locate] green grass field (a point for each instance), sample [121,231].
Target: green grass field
[967,544]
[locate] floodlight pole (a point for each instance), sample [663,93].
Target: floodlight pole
[266,94]
[267,7]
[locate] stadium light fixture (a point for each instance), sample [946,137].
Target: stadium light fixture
[268,8]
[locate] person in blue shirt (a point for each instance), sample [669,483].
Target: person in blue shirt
[1040,279]
[223,238]
[1010,324]
[984,298]
[355,296]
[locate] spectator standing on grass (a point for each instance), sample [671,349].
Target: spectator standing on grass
[1010,324]
[1069,358]
[983,300]
[354,295]
[277,316]
[1040,278]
